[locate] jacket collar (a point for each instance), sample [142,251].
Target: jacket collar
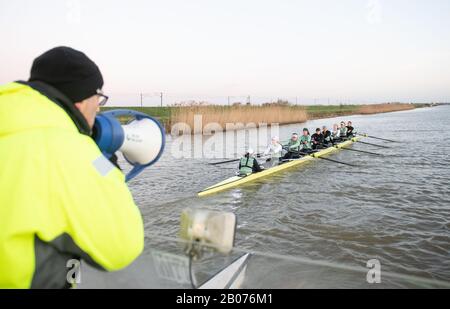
[62,101]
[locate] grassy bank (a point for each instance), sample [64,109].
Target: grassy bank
[270,113]
[327,111]
[160,113]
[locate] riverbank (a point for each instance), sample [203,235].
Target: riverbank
[268,113]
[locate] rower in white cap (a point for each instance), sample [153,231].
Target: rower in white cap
[275,150]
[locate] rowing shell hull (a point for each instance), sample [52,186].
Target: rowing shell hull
[239,180]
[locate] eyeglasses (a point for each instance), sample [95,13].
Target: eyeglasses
[102,98]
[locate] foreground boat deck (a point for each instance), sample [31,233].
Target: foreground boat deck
[239,180]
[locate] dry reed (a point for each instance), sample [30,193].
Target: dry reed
[267,114]
[224,115]
[384,108]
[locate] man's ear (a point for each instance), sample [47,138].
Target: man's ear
[79,105]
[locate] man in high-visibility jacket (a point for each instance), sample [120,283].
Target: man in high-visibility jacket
[60,198]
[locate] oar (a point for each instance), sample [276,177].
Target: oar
[327,159]
[413,130]
[335,161]
[224,162]
[373,144]
[362,151]
[234,160]
[381,139]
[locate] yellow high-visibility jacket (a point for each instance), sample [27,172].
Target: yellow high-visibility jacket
[60,198]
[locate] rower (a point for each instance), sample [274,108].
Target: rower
[350,130]
[292,147]
[343,130]
[305,142]
[326,136]
[335,134]
[317,139]
[248,164]
[274,150]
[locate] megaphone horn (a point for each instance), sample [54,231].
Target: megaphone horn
[141,141]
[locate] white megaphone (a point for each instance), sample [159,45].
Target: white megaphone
[141,141]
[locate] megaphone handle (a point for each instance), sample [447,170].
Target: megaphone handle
[134,172]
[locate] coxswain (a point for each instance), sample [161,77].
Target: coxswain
[248,164]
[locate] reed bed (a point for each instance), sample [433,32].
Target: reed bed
[267,113]
[224,115]
[384,108]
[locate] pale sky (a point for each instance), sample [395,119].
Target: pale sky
[348,50]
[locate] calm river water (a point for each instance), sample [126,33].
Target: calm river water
[394,208]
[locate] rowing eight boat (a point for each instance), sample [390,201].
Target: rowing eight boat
[239,180]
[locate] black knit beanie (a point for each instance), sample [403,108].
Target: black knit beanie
[68,70]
